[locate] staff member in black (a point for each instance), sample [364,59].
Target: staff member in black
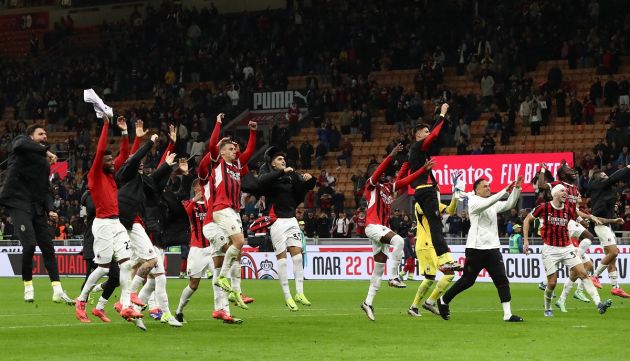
[27,197]
[426,189]
[284,190]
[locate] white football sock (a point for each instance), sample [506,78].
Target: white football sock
[548,296]
[568,285]
[184,298]
[56,286]
[580,285]
[507,310]
[160,293]
[152,302]
[614,279]
[235,277]
[600,269]
[298,272]
[91,282]
[591,290]
[375,282]
[136,283]
[230,255]
[398,243]
[125,283]
[218,291]
[147,290]
[284,278]
[101,303]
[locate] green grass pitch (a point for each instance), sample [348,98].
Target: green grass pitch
[334,328]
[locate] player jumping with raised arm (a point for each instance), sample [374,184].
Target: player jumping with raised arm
[379,195]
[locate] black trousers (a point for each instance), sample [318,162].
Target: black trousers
[32,230]
[476,260]
[428,200]
[113,277]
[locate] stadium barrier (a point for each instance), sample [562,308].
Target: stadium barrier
[323,262]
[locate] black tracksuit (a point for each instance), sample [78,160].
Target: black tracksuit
[283,192]
[27,197]
[604,194]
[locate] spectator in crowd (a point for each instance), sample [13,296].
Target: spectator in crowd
[323,225]
[306,153]
[320,154]
[462,137]
[341,226]
[346,153]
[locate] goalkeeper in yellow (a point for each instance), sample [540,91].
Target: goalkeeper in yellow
[427,258]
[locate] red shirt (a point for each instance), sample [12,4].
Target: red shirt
[227,185]
[102,186]
[379,199]
[554,228]
[360,225]
[197,212]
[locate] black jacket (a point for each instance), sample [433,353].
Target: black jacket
[139,194]
[88,237]
[604,193]
[27,181]
[283,192]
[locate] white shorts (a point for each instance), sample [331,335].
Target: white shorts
[159,267]
[606,236]
[285,232]
[198,261]
[141,245]
[553,257]
[229,221]
[375,233]
[111,241]
[575,229]
[217,238]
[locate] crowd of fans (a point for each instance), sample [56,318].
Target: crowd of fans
[194,63]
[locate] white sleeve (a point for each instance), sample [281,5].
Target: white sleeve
[478,204]
[511,201]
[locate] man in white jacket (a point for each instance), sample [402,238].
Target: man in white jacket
[482,245]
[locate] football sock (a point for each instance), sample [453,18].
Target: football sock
[91,282]
[231,254]
[584,244]
[147,290]
[125,283]
[160,293]
[398,243]
[591,290]
[568,285]
[507,310]
[548,296]
[218,291]
[136,283]
[235,277]
[614,279]
[298,272]
[184,298]
[580,285]
[375,282]
[284,278]
[440,288]
[56,286]
[101,303]
[423,288]
[600,269]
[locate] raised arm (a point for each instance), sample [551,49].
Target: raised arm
[140,133]
[403,172]
[435,132]
[251,144]
[97,165]
[214,137]
[123,154]
[172,138]
[130,167]
[452,207]
[401,184]
[541,183]
[478,204]
[23,143]
[614,178]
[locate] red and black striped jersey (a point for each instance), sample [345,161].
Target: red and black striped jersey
[554,228]
[197,212]
[208,198]
[379,199]
[227,185]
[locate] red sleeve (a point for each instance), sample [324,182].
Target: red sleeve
[380,170]
[97,165]
[168,149]
[214,140]
[251,147]
[189,206]
[135,146]
[123,154]
[400,184]
[204,167]
[433,135]
[244,170]
[402,173]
